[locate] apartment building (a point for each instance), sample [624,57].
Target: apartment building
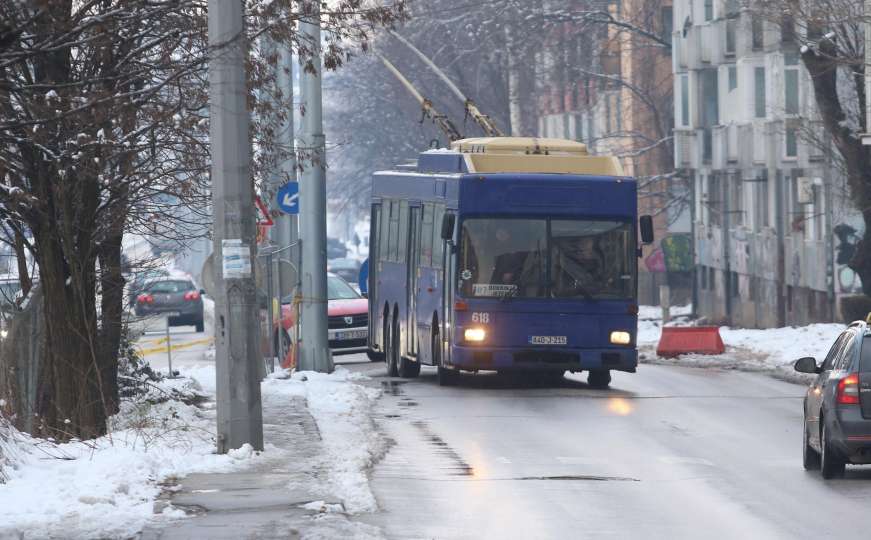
[767,195]
[611,87]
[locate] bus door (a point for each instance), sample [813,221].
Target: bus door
[374,274]
[411,264]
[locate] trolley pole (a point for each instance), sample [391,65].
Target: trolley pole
[314,349]
[237,324]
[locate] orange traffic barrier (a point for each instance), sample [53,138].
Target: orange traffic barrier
[677,340]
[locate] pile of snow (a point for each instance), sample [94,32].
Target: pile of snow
[342,410]
[105,488]
[770,348]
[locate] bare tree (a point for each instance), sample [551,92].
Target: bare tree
[103,131]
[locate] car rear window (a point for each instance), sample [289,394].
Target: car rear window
[865,357]
[170,287]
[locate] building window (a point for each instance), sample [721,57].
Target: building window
[715,194]
[791,142]
[703,277]
[684,100]
[787,29]
[710,97]
[709,10]
[759,76]
[762,209]
[731,25]
[790,88]
[733,78]
[757,30]
[667,22]
[818,214]
[736,200]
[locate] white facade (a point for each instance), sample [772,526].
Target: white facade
[766,196]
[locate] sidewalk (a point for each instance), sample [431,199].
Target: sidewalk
[286,496]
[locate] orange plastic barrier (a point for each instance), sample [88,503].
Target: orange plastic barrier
[677,340]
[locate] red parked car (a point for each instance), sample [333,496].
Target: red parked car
[348,317]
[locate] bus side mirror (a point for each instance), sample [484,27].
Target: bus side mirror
[646,225]
[448,222]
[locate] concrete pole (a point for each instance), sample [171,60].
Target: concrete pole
[314,349]
[287,227]
[237,322]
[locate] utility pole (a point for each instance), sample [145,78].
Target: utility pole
[237,321]
[287,227]
[314,348]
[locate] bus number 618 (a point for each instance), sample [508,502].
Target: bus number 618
[482,318]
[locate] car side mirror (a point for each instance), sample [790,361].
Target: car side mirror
[645,223]
[364,294]
[448,222]
[808,364]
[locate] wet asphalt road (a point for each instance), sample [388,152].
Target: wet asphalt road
[666,453]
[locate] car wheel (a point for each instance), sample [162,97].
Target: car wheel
[374,356]
[201,326]
[832,466]
[599,378]
[810,457]
[392,352]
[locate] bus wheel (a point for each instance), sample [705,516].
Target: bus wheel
[390,343]
[599,378]
[447,377]
[408,369]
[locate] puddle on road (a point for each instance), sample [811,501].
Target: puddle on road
[392,388]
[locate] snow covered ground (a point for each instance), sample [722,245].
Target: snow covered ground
[106,488]
[770,349]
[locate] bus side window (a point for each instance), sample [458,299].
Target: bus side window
[438,245]
[426,236]
[394,232]
[384,231]
[403,232]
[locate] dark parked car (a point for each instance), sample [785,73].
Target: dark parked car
[837,407]
[176,296]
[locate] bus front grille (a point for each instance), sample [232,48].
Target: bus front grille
[546,357]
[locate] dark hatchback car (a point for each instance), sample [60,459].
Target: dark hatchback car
[837,407]
[176,296]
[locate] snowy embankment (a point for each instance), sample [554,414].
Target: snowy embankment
[106,488]
[342,410]
[768,349]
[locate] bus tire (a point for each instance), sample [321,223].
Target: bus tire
[599,378]
[446,376]
[374,356]
[408,368]
[391,343]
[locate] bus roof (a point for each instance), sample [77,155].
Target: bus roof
[518,155]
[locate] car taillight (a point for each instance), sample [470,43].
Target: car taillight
[848,390]
[145,299]
[192,295]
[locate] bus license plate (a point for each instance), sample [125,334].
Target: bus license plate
[548,340]
[353,334]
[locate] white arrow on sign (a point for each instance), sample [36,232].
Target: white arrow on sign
[290,200]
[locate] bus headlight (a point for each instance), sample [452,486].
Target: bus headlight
[474,334]
[621,337]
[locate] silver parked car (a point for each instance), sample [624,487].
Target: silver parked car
[837,407]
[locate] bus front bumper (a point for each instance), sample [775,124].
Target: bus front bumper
[498,359]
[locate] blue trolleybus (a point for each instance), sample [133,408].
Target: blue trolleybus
[505,254]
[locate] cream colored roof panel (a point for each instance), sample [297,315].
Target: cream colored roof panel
[519,145]
[534,155]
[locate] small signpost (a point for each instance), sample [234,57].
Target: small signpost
[167,316]
[288,198]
